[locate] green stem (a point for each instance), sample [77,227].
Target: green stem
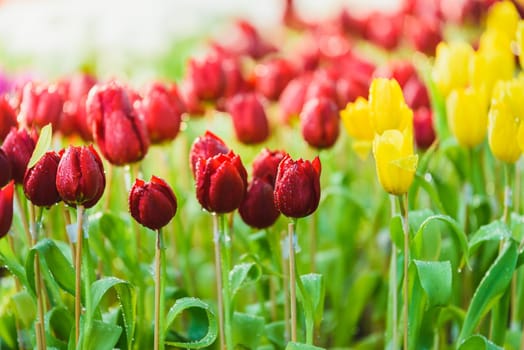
[40,325]
[226,292]
[292,281]
[403,203]
[87,273]
[78,272]
[218,274]
[313,242]
[393,284]
[287,304]
[160,278]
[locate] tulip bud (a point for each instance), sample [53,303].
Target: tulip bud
[207,77]
[7,117]
[118,131]
[503,16]
[221,182]
[384,30]
[423,127]
[271,77]
[189,97]
[388,110]
[401,71]
[6,208]
[297,187]
[503,132]
[394,160]
[75,105]
[357,122]
[320,122]
[80,178]
[249,118]
[205,147]
[450,70]
[161,109]
[292,98]
[265,165]
[423,34]
[19,146]
[467,116]
[246,40]
[152,204]
[5,165]
[41,105]
[40,181]
[415,93]
[258,208]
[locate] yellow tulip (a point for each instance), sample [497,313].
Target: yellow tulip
[467,116]
[357,122]
[503,129]
[487,68]
[395,160]
[450,70]
[503,16]
[387,107]
[520,42]
[512,92]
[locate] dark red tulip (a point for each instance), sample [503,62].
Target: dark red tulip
[7,117]
[221,182]
[258,208]
[385,30]
[297,187]
[207,77]
[354,23]
[416,93]
[40,181]
[322,86]
[118,131]
[272,76]
[80,178]
[193,105]
[423,34]
[6,208]
[320,122]
[402,71]
[19,146]
[249,118]
[245,40]
[5,165]
[162,111]
[423,127]
[292,98]
[75,116]
[41,105]
[152,204]
[205,147]
[265,165]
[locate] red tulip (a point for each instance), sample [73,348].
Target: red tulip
[152,204]
[246,40]
[207,77]
[292,98]
[322,86]
[6,208]
[265,165]
[415,93]
[5,165]
[258,208]
[80,178]
[271,77]
[75,116]
[221,182]
[40,181]
[40,106]
[188,94]
[385,30]
[117,129]
[423,127]
[205,147]
[402,71]
[162,111]
[19,146]
[297,187]
[7,117]
[320,122]
[249,118]
[423,34]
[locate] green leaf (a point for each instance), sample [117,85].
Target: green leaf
[300,346]
[436,280]
[242,275]
[315,289]
[396,231]
[187,304]
[59,265]
[478,342]
[127,298]
[42,146]
[247,330]
[59,325]
[102,336]
[275,333]
[494,231]
[490,289]
[10,261]
[24,307]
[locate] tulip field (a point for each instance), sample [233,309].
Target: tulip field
[346,183]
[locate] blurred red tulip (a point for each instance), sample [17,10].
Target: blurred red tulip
[152,204]
[245,40]
[265,165]
[292,98]
[5,165]
[272,76]
[320,122]
[423,127]
[249,118]
[19,146]
[258,208]
[7,117]
[6,208]
[401,71]
[416,93]
[40,181]
[423,34]
[206,77]
[384,30]
[41,105]
[205,147]
[75,117]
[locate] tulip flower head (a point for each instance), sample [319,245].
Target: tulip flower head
[221,182]
[19,146]
[320,122]
[395,160]
[40,181]
[265,165]
[75,106]
[258,208]
[520,42]
[204,147]
[503,16]
[5,165]
[7,117]
[450,70]
[41,105]
[80,178]
[467,116]
[6,208]
[272,76]
[118,131]
[357,122]
[297,187]
[423,127]
[152,204]
[387,107]
[249,118]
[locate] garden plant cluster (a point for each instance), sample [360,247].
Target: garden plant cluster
[350,183]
